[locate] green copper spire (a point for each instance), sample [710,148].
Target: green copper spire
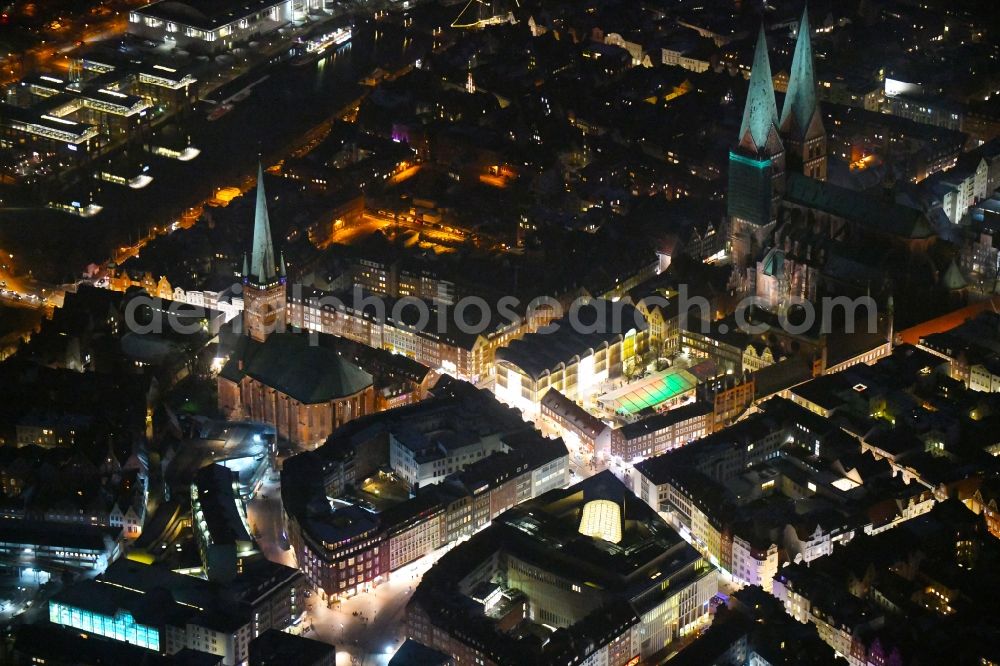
[760,113]
[262,265]
[800,101]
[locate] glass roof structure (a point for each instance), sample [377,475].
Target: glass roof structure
[650,391]
[602,519]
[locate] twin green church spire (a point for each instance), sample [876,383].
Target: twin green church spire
[800,99]
[760,114]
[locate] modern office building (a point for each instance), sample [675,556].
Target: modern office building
[56,547]
[167,612]
[216,26]
[219,520]
[72,139]
[588,556]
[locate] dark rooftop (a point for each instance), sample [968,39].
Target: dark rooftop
[278,648]
[205,14]
[289,363]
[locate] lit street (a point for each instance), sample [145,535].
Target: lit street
[264,515]
[366,628]
[369,627]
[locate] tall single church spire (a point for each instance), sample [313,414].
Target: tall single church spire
[800,101]
[262,264]
[760,113]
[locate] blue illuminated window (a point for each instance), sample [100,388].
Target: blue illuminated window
[121,627]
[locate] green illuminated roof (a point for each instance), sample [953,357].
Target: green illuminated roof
[800,101]
[760,113]
[651,391]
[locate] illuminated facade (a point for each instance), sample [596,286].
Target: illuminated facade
[216,27]
[263,278]
[304,390]
[756,169]
[166,612]
[576,423]
[220,522]
[351,549]
[303,412]
[768,145]
[422,460]
[465,356]
[577,359]
[118,627]
[662,432]
[572,573]
[58,546]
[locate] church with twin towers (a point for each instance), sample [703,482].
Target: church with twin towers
[770,147]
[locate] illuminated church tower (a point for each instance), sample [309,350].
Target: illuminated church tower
[801,125]
[263,279]
[756,170]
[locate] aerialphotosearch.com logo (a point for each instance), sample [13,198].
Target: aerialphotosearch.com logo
[474,315]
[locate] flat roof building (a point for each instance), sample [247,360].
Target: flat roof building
[51,546]
[279,648]
[215,25]
[589,556]
[166,612]
[220,522]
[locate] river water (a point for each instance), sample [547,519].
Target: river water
[280,110]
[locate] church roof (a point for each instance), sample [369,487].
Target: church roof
[800,100]
[262,263]
[288,363]
[760,113]
[871,212]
